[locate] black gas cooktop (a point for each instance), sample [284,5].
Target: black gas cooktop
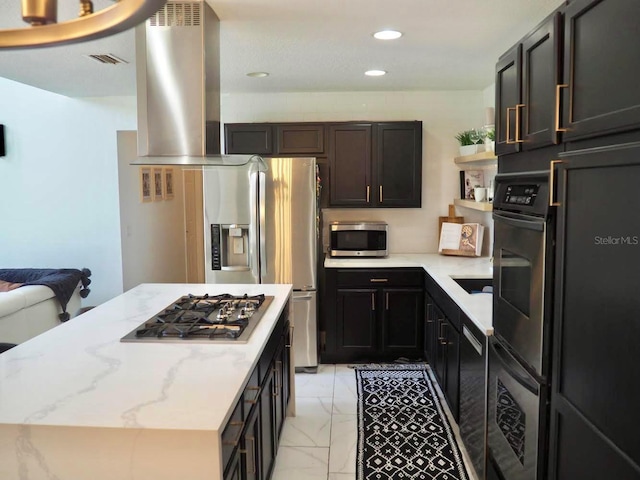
[206,318]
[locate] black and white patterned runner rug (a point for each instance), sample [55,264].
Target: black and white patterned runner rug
[403,433]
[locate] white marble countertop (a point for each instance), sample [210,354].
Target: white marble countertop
[442,268]
[116,404]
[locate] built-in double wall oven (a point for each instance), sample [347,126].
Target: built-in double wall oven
[519,351]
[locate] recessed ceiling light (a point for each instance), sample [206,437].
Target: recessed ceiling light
[258,74]
[387,35]
[375,73]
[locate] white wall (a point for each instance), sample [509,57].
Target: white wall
[58,182]
[443,113]
[60,199]
[153,233]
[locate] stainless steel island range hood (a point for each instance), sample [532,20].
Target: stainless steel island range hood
[178,88]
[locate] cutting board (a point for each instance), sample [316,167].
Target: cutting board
[450,219]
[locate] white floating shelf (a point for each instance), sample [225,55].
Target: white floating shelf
[472,204]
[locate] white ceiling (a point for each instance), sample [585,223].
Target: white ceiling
[306,45]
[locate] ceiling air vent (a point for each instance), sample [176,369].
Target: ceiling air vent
[177,14]
[107,58]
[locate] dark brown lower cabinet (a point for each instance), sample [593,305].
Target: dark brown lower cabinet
[442,342]
[250,440]
[373,314]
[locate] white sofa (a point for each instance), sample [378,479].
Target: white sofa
[31,310]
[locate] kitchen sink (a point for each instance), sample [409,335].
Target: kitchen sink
[475,285]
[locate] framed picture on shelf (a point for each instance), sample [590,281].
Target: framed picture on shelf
[469,179]
[158,187]
[145,184]
[168,183]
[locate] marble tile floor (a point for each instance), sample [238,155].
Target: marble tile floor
[319,443]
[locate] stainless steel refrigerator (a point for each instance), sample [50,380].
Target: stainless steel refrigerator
[261,226]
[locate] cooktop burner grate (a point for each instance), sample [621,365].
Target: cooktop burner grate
[205,318]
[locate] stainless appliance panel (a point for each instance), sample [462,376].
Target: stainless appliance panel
[517,406]
[229,199]
[288,223]
[305,331]
[519,285]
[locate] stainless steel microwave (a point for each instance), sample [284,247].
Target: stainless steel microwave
[358,239]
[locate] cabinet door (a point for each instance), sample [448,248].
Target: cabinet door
[402,321]
[601,66]
[541,67]
[508,78]
[278,402]
[300,139]
[597,310]
[251,450]
[243,138]
[440,350]
[398,164]
[350,160]
[234,469]
[452,384]
[356,311]
[429,331]
[267,429]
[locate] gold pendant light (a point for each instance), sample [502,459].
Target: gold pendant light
[45,31]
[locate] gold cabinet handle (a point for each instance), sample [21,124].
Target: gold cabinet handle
[252,456]
[373,301]
[257,390]
[552,171]
[378,280]
[558,87]
[518,138]
[508,141]
[237,439]
[380,195]
[368,193]
[443,340]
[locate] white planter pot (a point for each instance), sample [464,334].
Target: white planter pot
[467,150]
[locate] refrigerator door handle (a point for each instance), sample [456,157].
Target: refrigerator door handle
[262,254]
[255,230]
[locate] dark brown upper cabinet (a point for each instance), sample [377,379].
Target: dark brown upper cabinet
[398,162]
[376,165]
[601,68]
[527,90]
[350,164]
[248,138]
[275,139]
[540,111]
[507,111]
[296,139]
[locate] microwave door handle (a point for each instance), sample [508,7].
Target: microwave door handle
[536,225]
[512,369]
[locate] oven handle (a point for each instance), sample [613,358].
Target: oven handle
[536,225]
[512,368]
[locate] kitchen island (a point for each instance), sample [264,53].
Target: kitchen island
[76,403]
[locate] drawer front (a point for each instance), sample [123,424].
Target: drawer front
[251,391]
[397,277]
[444,302]
[230,438]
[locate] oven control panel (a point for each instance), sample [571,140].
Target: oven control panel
[521,194]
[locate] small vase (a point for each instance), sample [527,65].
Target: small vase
[467,150]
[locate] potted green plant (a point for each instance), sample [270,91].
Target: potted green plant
[467,141]
[490,140]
